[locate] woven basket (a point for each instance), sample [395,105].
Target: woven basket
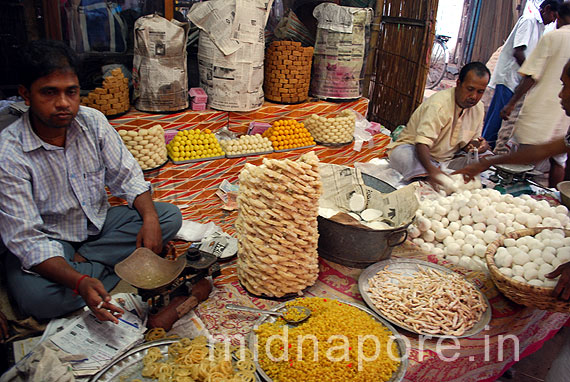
[523,293]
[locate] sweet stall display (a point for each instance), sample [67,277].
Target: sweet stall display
[277,226]
[287,134]
[146,145]
[112,97]
[194,145]
[287,72]
[333,130]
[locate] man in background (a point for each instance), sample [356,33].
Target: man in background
[521,42]
[442,127]
[541,119]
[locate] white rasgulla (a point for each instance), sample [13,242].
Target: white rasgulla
[480,250]
[536,282]
[518,270]
[521,258]
[530,274]
[467,249]
[509,242]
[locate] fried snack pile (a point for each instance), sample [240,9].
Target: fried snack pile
[429,301]
[277,225]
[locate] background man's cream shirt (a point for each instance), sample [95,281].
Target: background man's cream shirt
[542,118]
[438,124]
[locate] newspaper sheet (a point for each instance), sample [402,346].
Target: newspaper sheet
[215,19]
[231,51]
[190,326]
[99,342]
[341,182]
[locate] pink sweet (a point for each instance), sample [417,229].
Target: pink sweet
[198,106]
[198,95]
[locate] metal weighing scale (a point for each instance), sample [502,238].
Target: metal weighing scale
[515,179]
[158,280]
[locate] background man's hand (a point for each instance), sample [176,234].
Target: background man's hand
[93,292]
[506,111]
[480,144]
[474,169]
[562,289]
[483,145]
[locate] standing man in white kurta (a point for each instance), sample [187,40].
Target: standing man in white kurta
[542,119]
[521,42]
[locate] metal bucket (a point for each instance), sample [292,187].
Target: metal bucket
[357,247]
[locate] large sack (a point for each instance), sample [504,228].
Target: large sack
[160,77]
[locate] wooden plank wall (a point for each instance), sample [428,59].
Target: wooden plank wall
[400,59]
[495,23]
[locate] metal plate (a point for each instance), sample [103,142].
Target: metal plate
[130,364]
[294,148]
[266,318]
[155,168]
[248,154]
[329,144]
[196,160]
[408,267]
[514,168]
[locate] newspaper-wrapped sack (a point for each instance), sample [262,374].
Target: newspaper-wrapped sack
[159,66]
[340,51]
[231,51]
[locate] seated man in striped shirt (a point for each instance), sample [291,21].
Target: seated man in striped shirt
[63,238]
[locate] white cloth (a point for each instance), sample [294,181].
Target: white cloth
[527,31]
[542,118]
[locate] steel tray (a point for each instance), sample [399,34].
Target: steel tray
[396,377]
[408,267]
[130,364]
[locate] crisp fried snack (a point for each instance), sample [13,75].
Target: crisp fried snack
[277,225]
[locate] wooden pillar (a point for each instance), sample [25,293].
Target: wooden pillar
[374,32]
[52,19]
[169,9]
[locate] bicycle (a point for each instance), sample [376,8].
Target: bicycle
[438,61]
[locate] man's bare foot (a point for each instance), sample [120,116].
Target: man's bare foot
[78,258]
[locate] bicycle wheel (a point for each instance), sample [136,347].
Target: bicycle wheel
[437,64]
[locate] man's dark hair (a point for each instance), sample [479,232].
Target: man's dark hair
[554,4]
[42,57]
[478,67]
[568,68]
[564,9]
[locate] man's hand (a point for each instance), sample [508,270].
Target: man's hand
[480,144]
[562,289]
[150,236]
[4,330]
[507,110]
[471,171]
[98,300]
[433,177]
[483,145]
